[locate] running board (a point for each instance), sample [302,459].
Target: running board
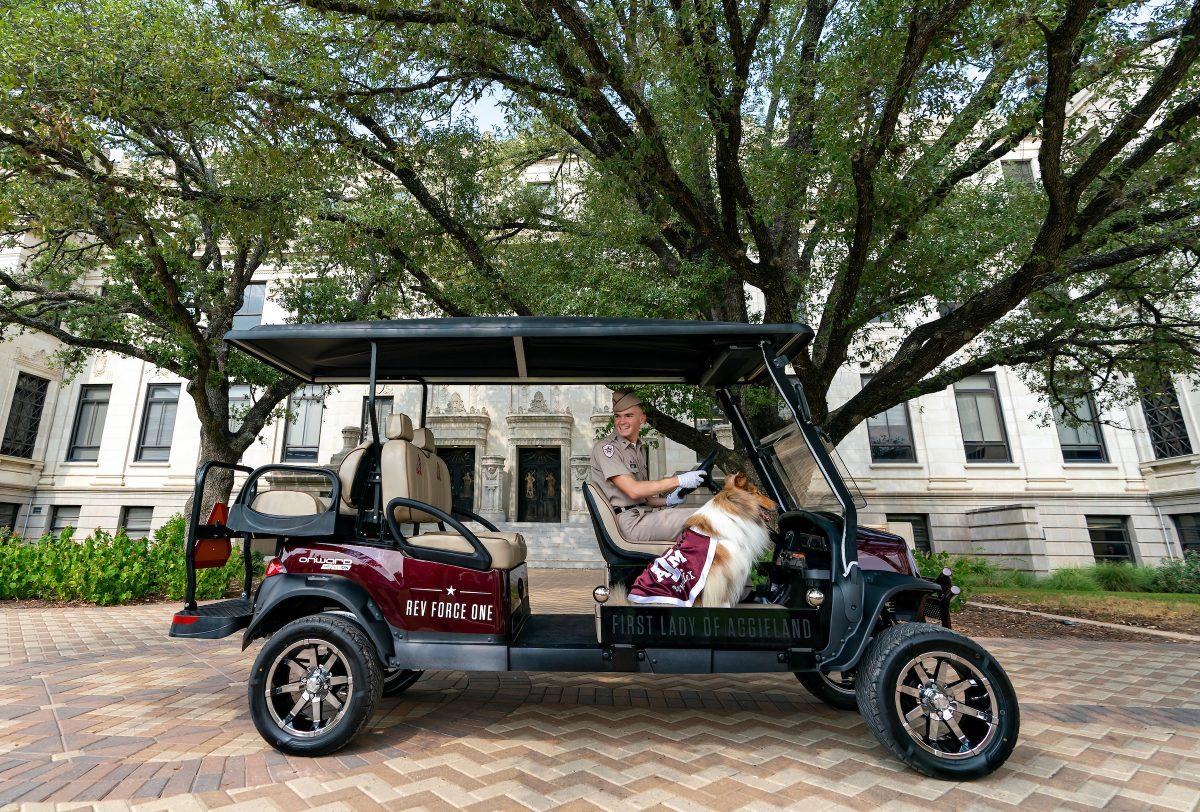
[594,657]
[212,621]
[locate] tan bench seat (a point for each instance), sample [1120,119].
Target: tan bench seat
[506,549]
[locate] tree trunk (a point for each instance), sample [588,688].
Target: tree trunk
[219,483]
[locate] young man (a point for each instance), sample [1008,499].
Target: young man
[620,471]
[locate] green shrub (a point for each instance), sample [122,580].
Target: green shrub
[107,569]
[1114,577]
[1070,579]
[1179,575]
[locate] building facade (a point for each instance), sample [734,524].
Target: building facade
[972,469]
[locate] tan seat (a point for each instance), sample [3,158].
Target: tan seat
[289,503]
[411,468]
[609,519]
[347,470]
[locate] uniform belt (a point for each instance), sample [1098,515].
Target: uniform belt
[619,510]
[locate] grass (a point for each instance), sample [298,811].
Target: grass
[1176,612]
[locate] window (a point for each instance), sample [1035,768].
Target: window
[383,408]
[984,438]
[1110,538]
[890,434]
[250,313]
[240,401]
[62,517]
[158,422]
[920,528]
[136,521]
[302,437]
[1187,525]
[89,423]
[25,416]
[1019,171]
[1079,432]
[8,515]
[1164,422]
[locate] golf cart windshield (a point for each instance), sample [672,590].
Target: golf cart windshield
[789,455]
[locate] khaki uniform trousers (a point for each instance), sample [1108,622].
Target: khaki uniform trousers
[654,524]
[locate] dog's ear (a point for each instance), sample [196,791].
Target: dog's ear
[739,481]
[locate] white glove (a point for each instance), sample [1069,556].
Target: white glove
[675,498]
[692,479]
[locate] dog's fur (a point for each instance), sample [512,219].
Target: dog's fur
[737,520]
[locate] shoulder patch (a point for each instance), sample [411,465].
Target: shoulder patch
[609,449]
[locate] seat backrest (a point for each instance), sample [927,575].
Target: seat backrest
[608,533]
[406,470]
[439,493]
[351,466]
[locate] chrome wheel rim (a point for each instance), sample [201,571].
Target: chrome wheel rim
[308,688]
[946,705]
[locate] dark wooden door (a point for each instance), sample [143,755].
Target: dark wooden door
[538,487]
[461,462]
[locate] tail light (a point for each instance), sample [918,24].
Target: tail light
[274,567]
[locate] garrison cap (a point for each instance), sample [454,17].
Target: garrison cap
[623,399]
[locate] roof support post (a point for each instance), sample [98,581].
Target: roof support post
[371,396]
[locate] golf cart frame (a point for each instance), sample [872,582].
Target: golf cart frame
[829,591]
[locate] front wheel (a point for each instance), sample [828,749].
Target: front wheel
[834,688]
[314,685]
[938,701]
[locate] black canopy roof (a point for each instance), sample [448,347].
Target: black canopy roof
[523,350]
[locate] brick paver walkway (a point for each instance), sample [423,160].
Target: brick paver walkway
[100,707]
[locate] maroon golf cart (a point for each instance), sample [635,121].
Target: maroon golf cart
[376,576]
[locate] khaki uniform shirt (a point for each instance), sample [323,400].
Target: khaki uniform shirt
[613,456]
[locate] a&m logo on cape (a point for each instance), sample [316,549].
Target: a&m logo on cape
[677,576]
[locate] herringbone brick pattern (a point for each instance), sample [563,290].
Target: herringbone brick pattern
[129,718]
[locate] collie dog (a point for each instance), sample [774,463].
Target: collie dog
[736,524]
[738,520]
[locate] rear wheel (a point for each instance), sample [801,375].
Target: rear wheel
[398,681]
[938,701]
[834,688]
[314,685]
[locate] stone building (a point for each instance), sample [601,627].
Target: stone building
[971,469]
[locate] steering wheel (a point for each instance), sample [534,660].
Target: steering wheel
[705,465]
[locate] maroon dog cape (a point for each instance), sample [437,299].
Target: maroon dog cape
[676,577]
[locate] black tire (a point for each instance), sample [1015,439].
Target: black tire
[329,655]
[835,690]
[962,719]
[399,680]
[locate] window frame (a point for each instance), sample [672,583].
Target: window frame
[288,453]
[123,521]
[42,384]
[1092,522]
[908,427]
[1163,447]
[73,446]
[55,514]
[243,313]
[230,401]
[1182,533]
[994,391]
[906,518]
[16,515]
[365,426]
[1060,414]
[147,400]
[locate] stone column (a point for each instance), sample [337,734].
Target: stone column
[581,470]
[491,472]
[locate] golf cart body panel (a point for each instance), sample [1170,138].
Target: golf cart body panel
[458,597]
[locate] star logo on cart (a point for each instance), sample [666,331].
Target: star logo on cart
[609,449]
[450,592]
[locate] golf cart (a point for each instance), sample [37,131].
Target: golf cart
[376,576]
